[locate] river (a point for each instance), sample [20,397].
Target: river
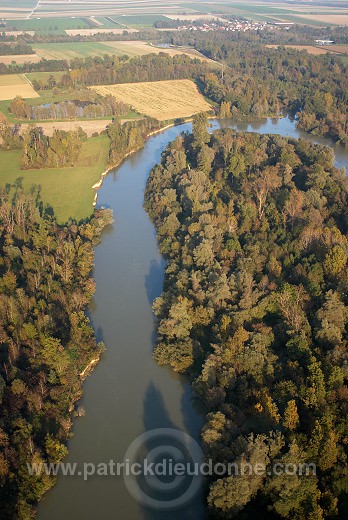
[128,394]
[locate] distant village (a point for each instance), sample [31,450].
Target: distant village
[229,25]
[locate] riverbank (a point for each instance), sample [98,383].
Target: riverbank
[99,184]
[128,392]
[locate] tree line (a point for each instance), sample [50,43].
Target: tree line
[42,151]
[255,82]
[16,48]
[254,232]
[82,103]
[46,340]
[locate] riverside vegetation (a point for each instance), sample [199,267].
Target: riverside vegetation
[46,339]
[257,81]
[47,342]
[254,232]
[254,308]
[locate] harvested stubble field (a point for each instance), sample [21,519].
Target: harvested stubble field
[162,100]
[12,85]
[97,125]
[339,49]
[325,19]
[20,58]
[92,32]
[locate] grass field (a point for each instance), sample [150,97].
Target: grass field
[12,85]
[143,20]
[67,190]
[43,76]
[163,100]
[67,51]
[48,24]
[140,48]
[106,23]
[194,17]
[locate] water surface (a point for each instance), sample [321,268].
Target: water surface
[128,393]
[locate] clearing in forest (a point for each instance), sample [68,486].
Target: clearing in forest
[162,100]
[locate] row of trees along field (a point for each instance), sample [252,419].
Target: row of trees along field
[15,48]
[63,147]
[254,232]
[40,150]
[257,81]
[46,340]
[80,103]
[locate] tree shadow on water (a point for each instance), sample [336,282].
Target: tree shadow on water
[154,279]
[155,417]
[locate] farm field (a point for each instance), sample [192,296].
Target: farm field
[91,32]
[139,14]
[340,49]
[89,126]
[193,17]
[67,51]
[316,50]
[20,58]
[105,22]
[140,48]
[48,24]
[163,100]
[143,20]
[13,85]
[43,76]
[325,19]
[68,190]
[311,49]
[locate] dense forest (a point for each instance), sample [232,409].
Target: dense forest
[129,137]
[46,339]
[259,81]
[254,231]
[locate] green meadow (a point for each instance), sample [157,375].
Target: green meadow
[67,190]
